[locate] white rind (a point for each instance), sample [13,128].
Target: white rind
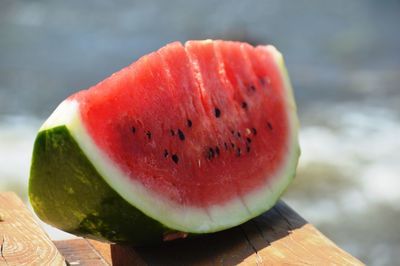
[64,114]
[175,216]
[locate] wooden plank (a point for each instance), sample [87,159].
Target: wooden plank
[279,236]
[80,252]
[117,254]
[22,241]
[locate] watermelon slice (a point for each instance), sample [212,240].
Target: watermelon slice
[192,138]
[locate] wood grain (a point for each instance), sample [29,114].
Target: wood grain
[278,237]
[22,241]
[80,252]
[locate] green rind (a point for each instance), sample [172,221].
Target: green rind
[72,196]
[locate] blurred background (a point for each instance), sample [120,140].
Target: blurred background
[343,58]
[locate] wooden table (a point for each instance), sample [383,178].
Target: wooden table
[278,237]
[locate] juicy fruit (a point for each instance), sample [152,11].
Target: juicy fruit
[194,138]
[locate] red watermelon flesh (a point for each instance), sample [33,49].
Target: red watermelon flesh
[197,124]
[199,137]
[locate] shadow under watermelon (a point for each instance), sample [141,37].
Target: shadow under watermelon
[229,247]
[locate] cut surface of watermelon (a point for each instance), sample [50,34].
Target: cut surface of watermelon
[194,138]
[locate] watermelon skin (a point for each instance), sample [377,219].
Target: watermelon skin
[86,205]
[78,188]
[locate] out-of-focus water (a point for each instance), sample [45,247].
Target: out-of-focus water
[348,180]
[342,57]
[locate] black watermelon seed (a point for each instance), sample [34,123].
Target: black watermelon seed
[133,129]
[238,134]
[172,132]
[210,153]
[233,145]
[265,81]
[248,140]
[269,125]
[252,88]
[247,148]
[165,153]
[217,112]
[189,123]
[181,135]
[238,151]
[217,150]
[225,145]
[254,131]
[244,105]
[233,132]
[148,133]
[175,158]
